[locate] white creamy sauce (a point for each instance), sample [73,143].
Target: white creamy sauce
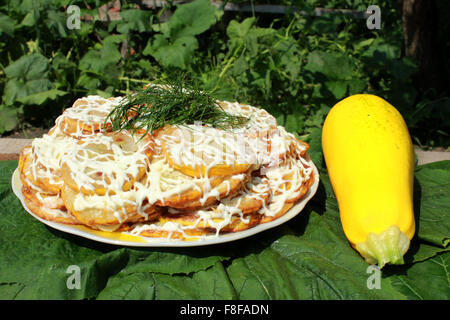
[121,165]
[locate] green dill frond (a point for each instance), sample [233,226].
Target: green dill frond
[170,102]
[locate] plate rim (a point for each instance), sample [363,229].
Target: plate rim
[16,185]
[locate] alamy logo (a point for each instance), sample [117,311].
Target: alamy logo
[73,20]
[374,280]
[74,280]
[374,19]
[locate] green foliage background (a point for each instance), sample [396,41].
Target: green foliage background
[297,66]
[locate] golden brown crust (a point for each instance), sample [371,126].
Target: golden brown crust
[55,215]
[190,234]
[49,200]
[102,214]
[75,127]
[50,183]
[232,198]
[209,169]
[102,153]
[286,207]
[195,199]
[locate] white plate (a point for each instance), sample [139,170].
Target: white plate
[126,239]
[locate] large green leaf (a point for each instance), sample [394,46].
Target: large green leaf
[29,20]
[307,258]
[41,97]
[335,66]
[424,281]
[29,67]
[334,72]
[26,76]
[56,21]
[316,265]
[8,118]
[16,89]
[175,46]
[238,30]
[102,62]
[246,33]
[192,19]
[433,189]
[176,54]
[380,53]
[6,25]
[135,20]
[202,285]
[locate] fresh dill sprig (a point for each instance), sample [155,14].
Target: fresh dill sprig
[170,102]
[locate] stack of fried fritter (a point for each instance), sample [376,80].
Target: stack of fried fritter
[178,182]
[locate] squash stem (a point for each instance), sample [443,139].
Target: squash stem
[387,247]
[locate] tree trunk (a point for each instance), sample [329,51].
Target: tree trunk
[420,29]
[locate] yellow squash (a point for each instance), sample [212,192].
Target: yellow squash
[370,161]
